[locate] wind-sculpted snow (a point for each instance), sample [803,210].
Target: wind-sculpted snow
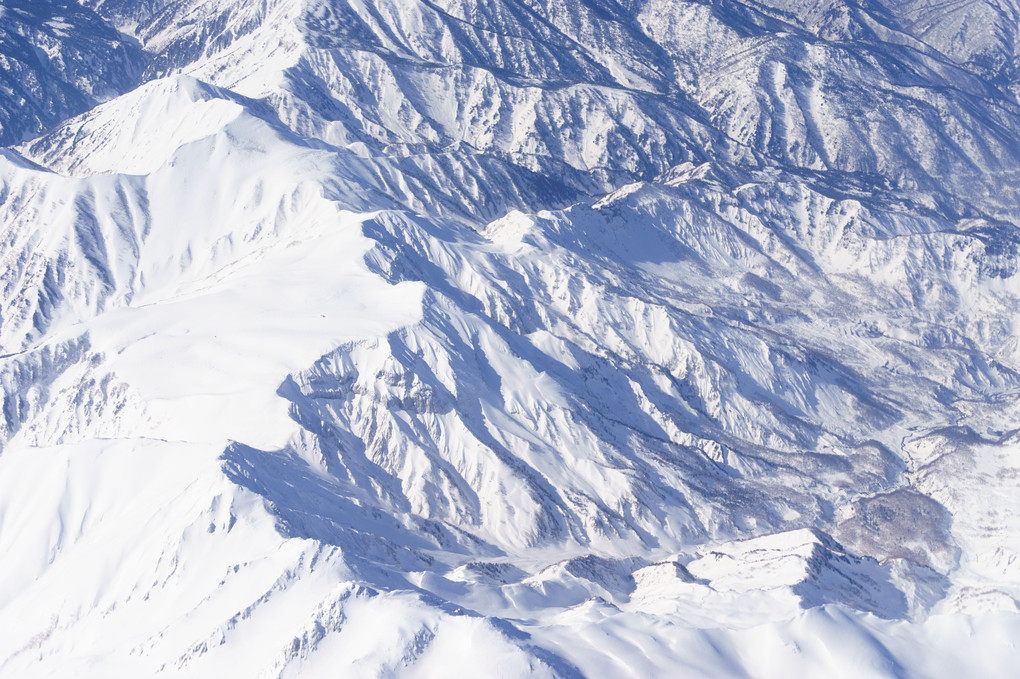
[568,338]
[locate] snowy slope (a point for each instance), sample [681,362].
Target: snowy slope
[58,60]
[568,338]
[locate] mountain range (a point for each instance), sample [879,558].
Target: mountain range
[566,338]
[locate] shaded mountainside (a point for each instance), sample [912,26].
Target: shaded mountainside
[574,338]
[59,59]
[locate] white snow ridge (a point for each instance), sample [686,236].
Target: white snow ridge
[509,338]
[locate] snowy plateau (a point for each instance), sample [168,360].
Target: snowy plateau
[510,338]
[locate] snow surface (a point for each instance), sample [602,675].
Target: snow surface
[509,338]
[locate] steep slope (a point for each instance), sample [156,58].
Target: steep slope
[566,338]
[981,35]
[611,90]
[58,60]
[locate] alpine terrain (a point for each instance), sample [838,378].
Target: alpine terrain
[517,338]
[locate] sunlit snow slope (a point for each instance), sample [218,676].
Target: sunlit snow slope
[563,338]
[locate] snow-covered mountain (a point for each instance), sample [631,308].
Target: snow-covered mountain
[58,59]
[509,337]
